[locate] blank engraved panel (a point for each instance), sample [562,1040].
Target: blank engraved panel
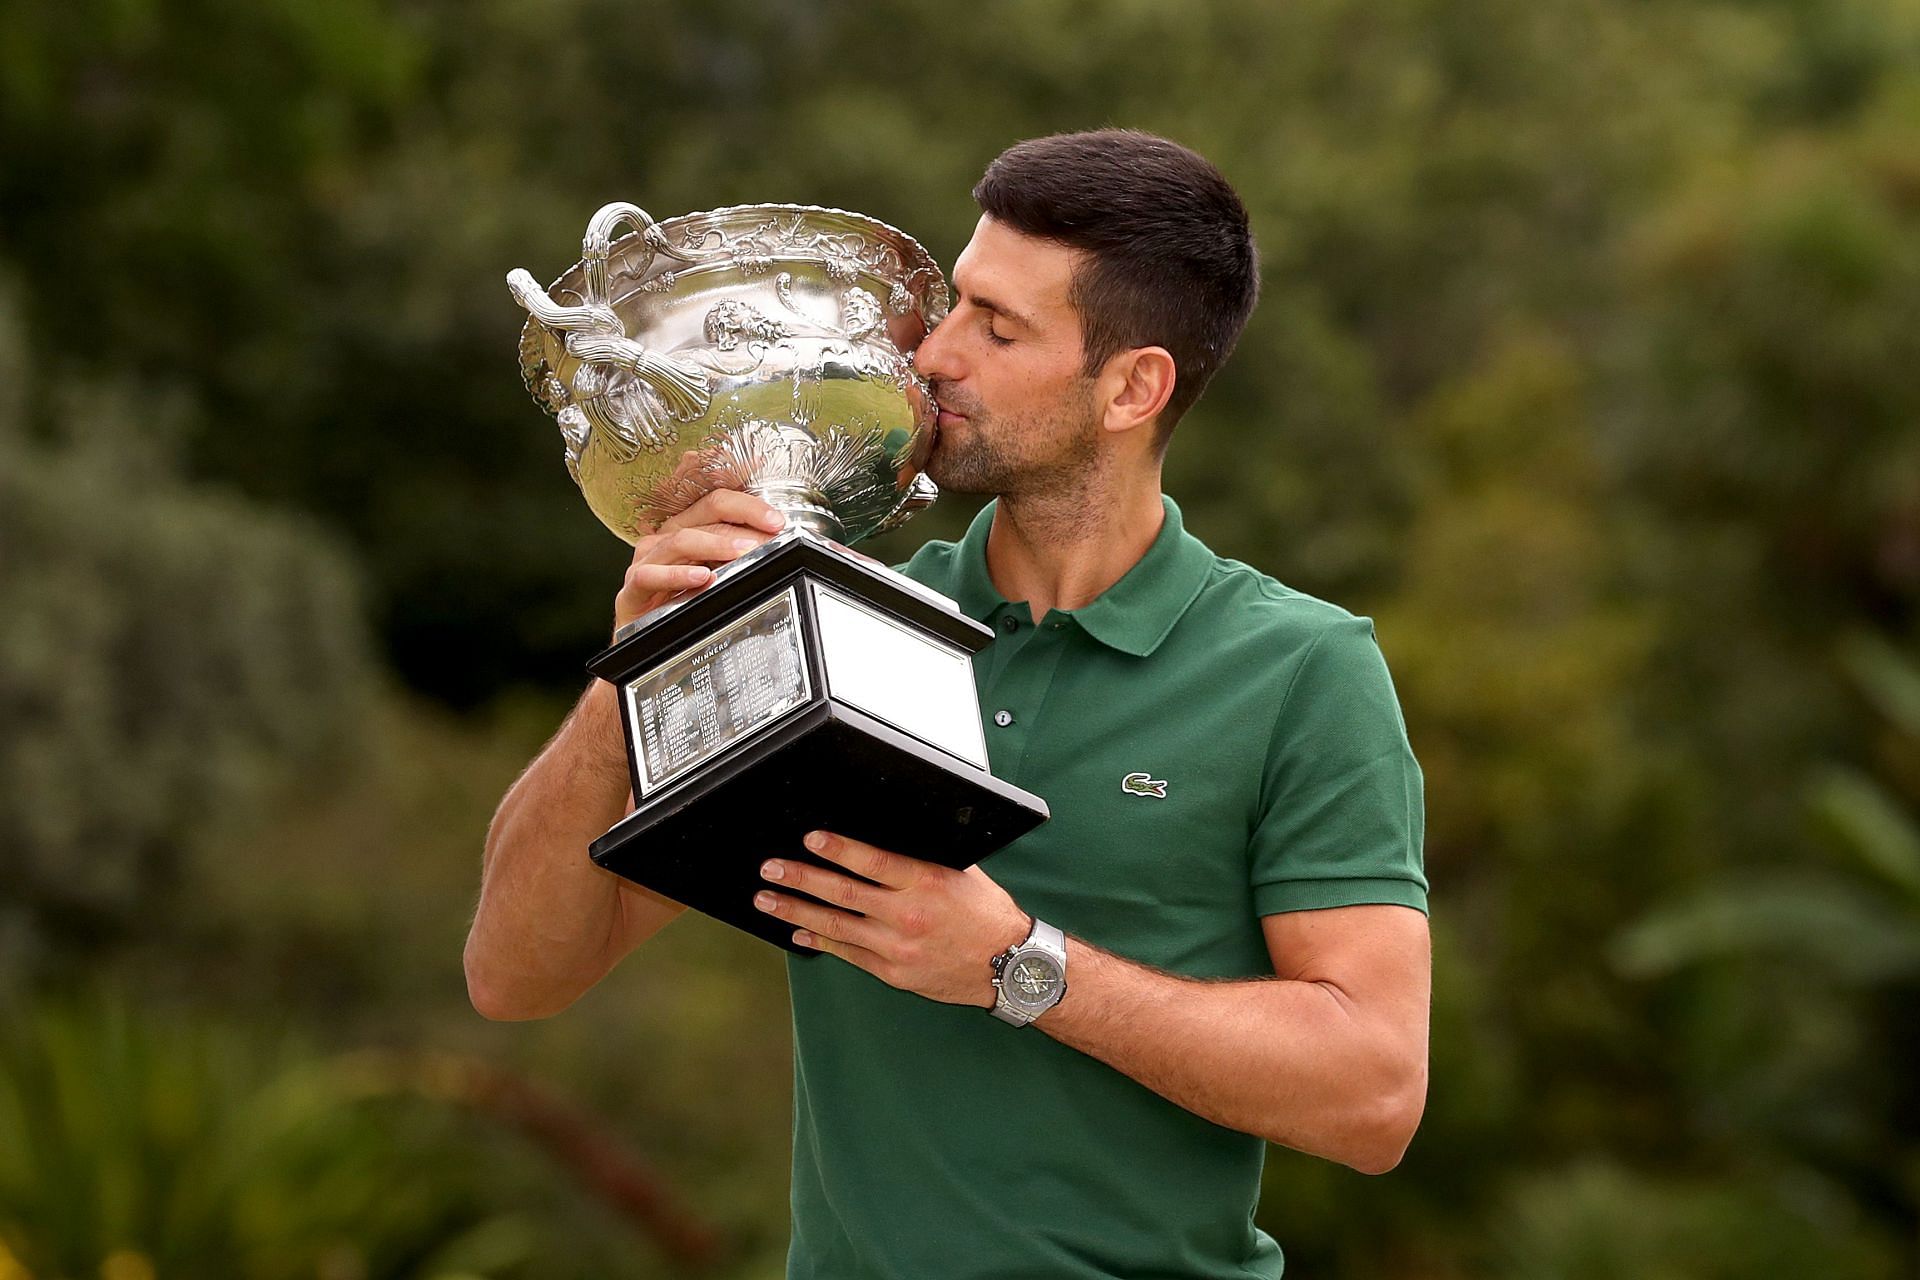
[718,692]
[911,680]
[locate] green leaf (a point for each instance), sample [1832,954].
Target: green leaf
[1842,930]
[1872,825]
[1889,678]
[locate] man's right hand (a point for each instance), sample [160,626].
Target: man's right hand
[682,555]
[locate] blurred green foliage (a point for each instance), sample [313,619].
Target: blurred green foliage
[210,1151]
[1585,364]
[169,655]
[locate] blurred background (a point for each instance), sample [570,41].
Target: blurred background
[1588,364]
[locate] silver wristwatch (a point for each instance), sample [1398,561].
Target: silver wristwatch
[1031,976]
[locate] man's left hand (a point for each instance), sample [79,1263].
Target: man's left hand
[919,926]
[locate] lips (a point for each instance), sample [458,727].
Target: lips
[947,411]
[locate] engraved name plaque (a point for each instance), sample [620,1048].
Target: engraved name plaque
[718,692]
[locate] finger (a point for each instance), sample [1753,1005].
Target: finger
[838,926]
[894,870]
[736,531]
[858,957]
[729,506]
[649,586]
[664,565]
[828,886]
[694,546]
[660,546]
[649,579]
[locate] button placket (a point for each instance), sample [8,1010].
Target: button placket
[1010,702]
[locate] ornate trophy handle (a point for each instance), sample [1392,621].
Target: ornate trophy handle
[920,495]
[598,242]
[596,315]
[610,360]
[561,319]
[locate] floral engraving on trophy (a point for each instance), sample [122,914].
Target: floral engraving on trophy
[656,239]
[846,468]
[634,494]
[845,255]
[842,267]
[536,374]
[575,431]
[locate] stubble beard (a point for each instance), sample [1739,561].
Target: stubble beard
[1046,467]
[1035,455]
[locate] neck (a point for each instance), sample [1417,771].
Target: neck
[1060,550]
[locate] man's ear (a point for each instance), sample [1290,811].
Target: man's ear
[1137,384]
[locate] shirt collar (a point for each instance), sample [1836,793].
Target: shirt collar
[1133,615]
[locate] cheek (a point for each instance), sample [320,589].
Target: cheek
[1035,377]
[1054,393]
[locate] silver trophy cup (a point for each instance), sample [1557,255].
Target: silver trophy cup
[767,348]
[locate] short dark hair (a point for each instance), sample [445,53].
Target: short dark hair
[1170,258]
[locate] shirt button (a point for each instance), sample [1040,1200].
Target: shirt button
[1003,718]
[1010,623]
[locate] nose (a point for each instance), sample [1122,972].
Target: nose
[933,359]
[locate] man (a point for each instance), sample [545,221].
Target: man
[1235,850]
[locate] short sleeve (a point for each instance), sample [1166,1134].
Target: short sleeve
[1343,813]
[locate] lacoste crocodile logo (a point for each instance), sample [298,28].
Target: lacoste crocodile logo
[1140,784]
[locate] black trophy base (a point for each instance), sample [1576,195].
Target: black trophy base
[829,768]
[807,688]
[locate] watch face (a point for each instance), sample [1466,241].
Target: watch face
[1033,978]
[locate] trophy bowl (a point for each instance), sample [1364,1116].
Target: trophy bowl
[760,347]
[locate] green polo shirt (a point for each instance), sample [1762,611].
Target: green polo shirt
[1269,772]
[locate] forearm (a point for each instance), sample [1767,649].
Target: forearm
[1330,1060]
[549,922]
[1291,1061]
